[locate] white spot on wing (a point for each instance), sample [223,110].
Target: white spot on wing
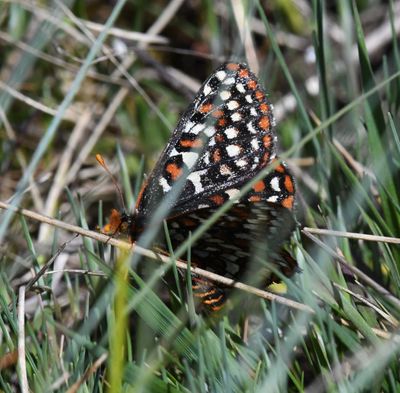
[225,170]
[241,163]
[232,192]
[231,132]
[254,144]
[225,95]
[197,128]
[189,125]
[229,81]
[272,199]
[207,90]
[164,184]
[232,105]
[189,158]
[240,88]
[249,99]
[253,112]
[221,75]
[174,152]
[275,183]
[195,178]
[233,150]
[236,116]
[251,128]
[209,131]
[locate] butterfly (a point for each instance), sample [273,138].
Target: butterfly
[222,141]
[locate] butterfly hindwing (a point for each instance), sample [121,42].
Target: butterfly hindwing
[251,223]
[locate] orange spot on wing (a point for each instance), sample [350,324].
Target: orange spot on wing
[217,308]
[266,157]
[267,141]
[288,202]
[222,122]
[204,294]
[218,113]
[244,73]
[255,198]
[289,184]
[280,168]
[217,199]
[212,301]
[205,108]
[251,84]
[259,186]
[189,222]
[217,155]
[259,95]
[173,170]
[190,143]
[264,108]
[264,122]
[219,138]
[232,66]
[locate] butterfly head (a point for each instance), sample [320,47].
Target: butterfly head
[118,223]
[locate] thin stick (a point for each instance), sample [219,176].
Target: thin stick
[83,272]
[69,114]
[361,275]
[74,388]
[352,235]
[159,257]
[23,379]
[393,321]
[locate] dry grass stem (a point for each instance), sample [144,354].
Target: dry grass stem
[351,235]
[92,369]
[361,275]
[23,379]
[69,114]
[242,22]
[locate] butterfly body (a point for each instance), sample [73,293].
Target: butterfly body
[223,140]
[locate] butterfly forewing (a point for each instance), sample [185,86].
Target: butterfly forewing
[223,139]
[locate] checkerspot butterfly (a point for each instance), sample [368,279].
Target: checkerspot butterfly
[222,141]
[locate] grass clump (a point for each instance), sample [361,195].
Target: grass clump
[95,319]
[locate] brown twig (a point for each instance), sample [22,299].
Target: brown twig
[74,388]
[159,257]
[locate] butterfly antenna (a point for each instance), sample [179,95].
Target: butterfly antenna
[102,162]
